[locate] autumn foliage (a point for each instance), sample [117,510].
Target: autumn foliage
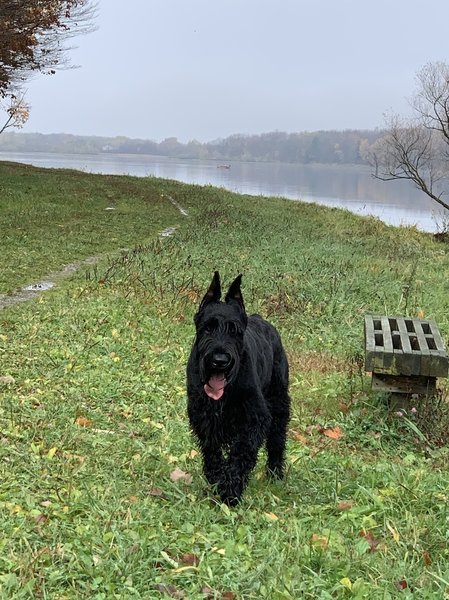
[32,35]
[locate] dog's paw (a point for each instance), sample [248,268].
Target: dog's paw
[229,499]
[230,491]
[276,472]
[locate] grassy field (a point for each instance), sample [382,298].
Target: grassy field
[101,491]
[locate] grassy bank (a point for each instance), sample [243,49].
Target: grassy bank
[92,409]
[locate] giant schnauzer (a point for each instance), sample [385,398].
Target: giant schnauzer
[237,386]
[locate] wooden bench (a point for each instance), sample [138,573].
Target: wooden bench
[405,355]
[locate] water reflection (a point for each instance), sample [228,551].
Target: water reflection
[350,187]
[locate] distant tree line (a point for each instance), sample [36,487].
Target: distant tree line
[330,147]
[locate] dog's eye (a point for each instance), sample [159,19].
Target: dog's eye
[232,329]
[210,326]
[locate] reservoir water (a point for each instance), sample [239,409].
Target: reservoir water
[350,187]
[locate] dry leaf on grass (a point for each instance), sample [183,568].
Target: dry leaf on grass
[401,584]
[170,590]
[345,505]
[40,519]
[319,541]
[369,537]
[271,516]
[335,433]
[180,475]
[83,422]
[155,491]
[189,559]
[298,437]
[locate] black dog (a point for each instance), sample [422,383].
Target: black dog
[237,386]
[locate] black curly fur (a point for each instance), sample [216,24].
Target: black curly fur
[254,406]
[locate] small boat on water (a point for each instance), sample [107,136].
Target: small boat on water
[223,166]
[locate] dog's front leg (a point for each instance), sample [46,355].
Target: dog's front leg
[240,463]
[212,463]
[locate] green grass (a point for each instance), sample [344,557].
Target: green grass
[92,410]
[52,218]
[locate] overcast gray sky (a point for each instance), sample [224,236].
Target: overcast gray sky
[203,69]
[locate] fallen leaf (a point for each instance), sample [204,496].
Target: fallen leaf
[319,541]
[155,491]
[7,379]
[271,516]
[346,582]
[157,349]
[345,505]
[393,532]
[426,558]
[170,590]
[170,558]
[46,503]
[133,499]
[401,584]
[51,453]
[40,519]
[334,433]
[372,541]
[298,437]
[189,559]
[228,595]
[192,295]
[180,475]
[193,454]
[83,422]
[183,569]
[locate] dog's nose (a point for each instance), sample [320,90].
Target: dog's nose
[221,360]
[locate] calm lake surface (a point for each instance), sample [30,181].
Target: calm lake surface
[350,187]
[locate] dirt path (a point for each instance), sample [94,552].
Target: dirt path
[34,290]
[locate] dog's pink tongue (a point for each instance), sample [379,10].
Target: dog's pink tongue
[214,388]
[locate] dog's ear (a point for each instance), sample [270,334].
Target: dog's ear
[213,294]
[235,293]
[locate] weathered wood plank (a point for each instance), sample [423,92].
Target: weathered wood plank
[397,384]
[373,358]
[411,361]
[423,347]
[401,346]
[388,354]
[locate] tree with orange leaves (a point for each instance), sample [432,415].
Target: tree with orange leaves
[32,40]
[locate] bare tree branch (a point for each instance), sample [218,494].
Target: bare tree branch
[418,149]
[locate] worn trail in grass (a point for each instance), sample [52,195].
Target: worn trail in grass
[93,426]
